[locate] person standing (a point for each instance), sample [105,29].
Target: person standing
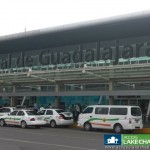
[78,110]
[35,107]
[50,106]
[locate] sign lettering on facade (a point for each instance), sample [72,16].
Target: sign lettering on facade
[80,54]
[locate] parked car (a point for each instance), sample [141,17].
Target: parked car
[6,110]
[23,118]
[114,117]
[56,117]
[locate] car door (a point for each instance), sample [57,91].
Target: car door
[86,115]
[20,115]
[101,119]
[10,119]
[48,116]
[42,113]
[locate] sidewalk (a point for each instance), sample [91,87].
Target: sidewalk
[144,130]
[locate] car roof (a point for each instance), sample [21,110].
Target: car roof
[7,107]
[111,106]
[23,109]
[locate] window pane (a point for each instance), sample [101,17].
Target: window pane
[135,111]
[88,110]
[1,110]
[31,113]
[49,112]
[20,113]
[101,110]
[6,110]
[118,111]
[14,113]
[60,111]
[42,112]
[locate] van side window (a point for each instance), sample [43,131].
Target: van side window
[118,111]
[101,110]
[88,110]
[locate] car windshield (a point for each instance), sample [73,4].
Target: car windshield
[135,111]
[31,113]
[59,111]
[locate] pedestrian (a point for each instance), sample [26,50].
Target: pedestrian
[78,111]
[73,111]
[50,106]
[41,108]
[35,107]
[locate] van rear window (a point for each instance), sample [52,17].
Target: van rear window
[118,111]
[135,111]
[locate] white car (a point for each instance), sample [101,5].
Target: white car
[56,117]
[23,118]
[6,110]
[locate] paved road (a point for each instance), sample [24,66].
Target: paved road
[15,138]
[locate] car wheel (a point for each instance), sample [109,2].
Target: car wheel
[2,122]
[53,123]
[23,124]
[118,129]
[87,126]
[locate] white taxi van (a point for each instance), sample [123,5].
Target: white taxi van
[23,118]
[114,117]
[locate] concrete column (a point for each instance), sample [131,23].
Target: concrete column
[57,98]
[12,100]
[111,98]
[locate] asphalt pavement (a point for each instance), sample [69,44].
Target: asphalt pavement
[46,138]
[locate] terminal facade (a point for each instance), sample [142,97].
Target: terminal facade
[109,64]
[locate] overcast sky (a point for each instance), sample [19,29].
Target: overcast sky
[16,15]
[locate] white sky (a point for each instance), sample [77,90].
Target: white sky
[16,15]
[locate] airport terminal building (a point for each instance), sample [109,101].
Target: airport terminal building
[104,61]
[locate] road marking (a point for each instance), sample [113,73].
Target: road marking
[75,137]
[57,145]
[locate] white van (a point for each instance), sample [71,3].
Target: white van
[114,117]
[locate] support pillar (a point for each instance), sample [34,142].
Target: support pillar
[111,98]
[57,98]
[12,100]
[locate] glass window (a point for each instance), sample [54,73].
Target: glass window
[5,110]
[118,111]
[60,111]
[14,113]
[31,113]
[88,110]
[42,112]
[1,110]
[49,112]
[135,111]
[101,110]
[20,113]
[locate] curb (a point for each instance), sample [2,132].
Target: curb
[144,130]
